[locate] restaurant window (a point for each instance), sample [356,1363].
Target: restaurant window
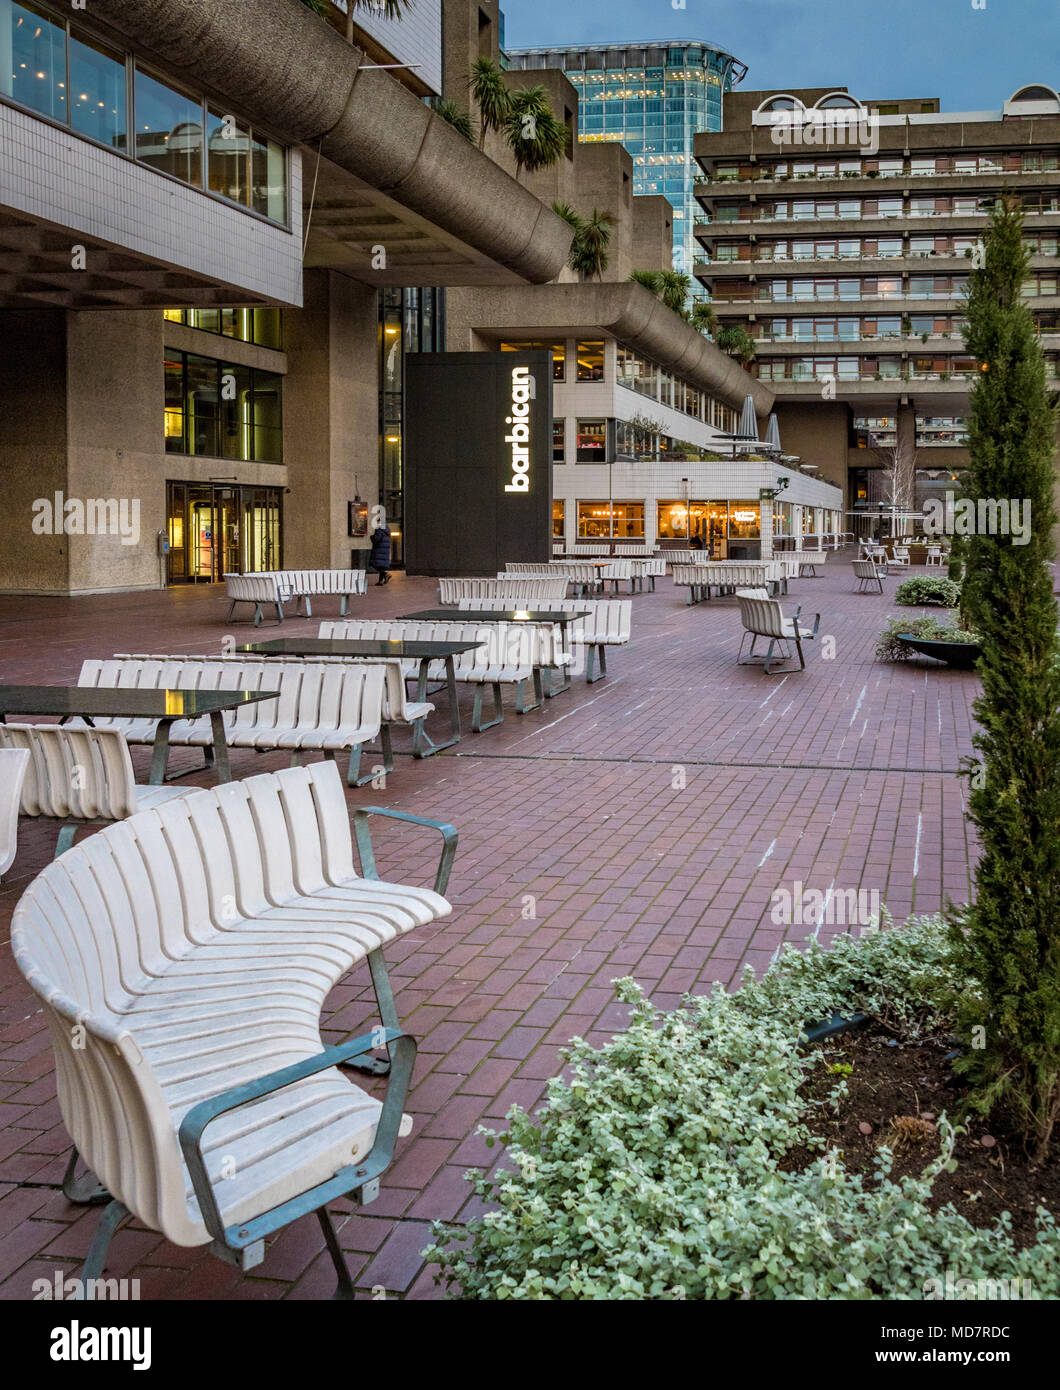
[590,361]
[782,518]
[592,441]
[744,520]
[559,441]
[558,519]
[558,351]
[623,520]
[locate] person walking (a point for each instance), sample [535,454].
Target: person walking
[381,554]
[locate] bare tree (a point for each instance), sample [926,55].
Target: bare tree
[898,464]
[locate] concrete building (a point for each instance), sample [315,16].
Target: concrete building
[197,216]
[841,234]
[642,403]
[652,98]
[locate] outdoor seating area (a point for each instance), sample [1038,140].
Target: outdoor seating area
[231,916]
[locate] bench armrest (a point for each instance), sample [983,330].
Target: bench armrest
[363,836]
[804,631]
[402,1049]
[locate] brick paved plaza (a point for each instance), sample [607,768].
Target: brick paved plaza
[637,826]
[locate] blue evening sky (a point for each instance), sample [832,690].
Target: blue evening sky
[973,59]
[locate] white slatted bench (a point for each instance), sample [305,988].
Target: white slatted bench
[617,572]
[325,708]
[397,707]
[636,552]
[764,617]
[13,765]
[866,574]
[650,569]
[182,957]
[608,624]
[521,589]
[79,777]
[258,589]
[304,585]
[727,576]
[583,576]
[506,654]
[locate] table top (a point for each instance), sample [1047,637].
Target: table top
[484,615]
[370,647]
[573,562]
[114,700]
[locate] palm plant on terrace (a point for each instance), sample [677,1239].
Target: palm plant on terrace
[490,94]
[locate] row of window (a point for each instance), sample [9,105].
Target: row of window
[842,209]
[588,362]
[221,410]
[643,376]
[263,327]
[633,442]
[880,431]
[862,368]
[828,328]
[709,521]
[854,288]
[919,166]
[857,248]
[52,67]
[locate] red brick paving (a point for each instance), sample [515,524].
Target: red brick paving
[582,858]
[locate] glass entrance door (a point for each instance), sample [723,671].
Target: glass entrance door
[217,529]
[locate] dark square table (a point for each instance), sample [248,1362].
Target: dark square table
[93,701]
[378,649]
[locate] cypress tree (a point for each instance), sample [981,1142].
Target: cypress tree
[1009,937]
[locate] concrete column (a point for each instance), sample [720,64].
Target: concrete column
[32,448]
[331,417]
[766,528]
[115,403]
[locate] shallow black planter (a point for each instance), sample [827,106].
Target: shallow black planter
[963,654]
[829,1027]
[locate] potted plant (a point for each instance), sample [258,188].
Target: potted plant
[948,643]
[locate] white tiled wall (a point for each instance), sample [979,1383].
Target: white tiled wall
[414,38]
[50,175]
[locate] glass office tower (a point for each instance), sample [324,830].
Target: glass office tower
[652,98]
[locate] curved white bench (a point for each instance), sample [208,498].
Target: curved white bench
[79,776]
[13,765]
[306,584]
[182,958]
[258,589]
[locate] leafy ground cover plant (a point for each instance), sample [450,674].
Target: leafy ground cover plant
[654,1168]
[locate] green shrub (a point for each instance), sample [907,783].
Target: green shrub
[654,1171]
[888,647]
[925,589]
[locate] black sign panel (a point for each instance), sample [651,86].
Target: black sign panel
[478,461]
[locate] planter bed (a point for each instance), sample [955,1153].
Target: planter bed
[695,1155]
[900,1087]
[962,654]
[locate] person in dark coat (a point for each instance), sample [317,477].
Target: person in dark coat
[381,554]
